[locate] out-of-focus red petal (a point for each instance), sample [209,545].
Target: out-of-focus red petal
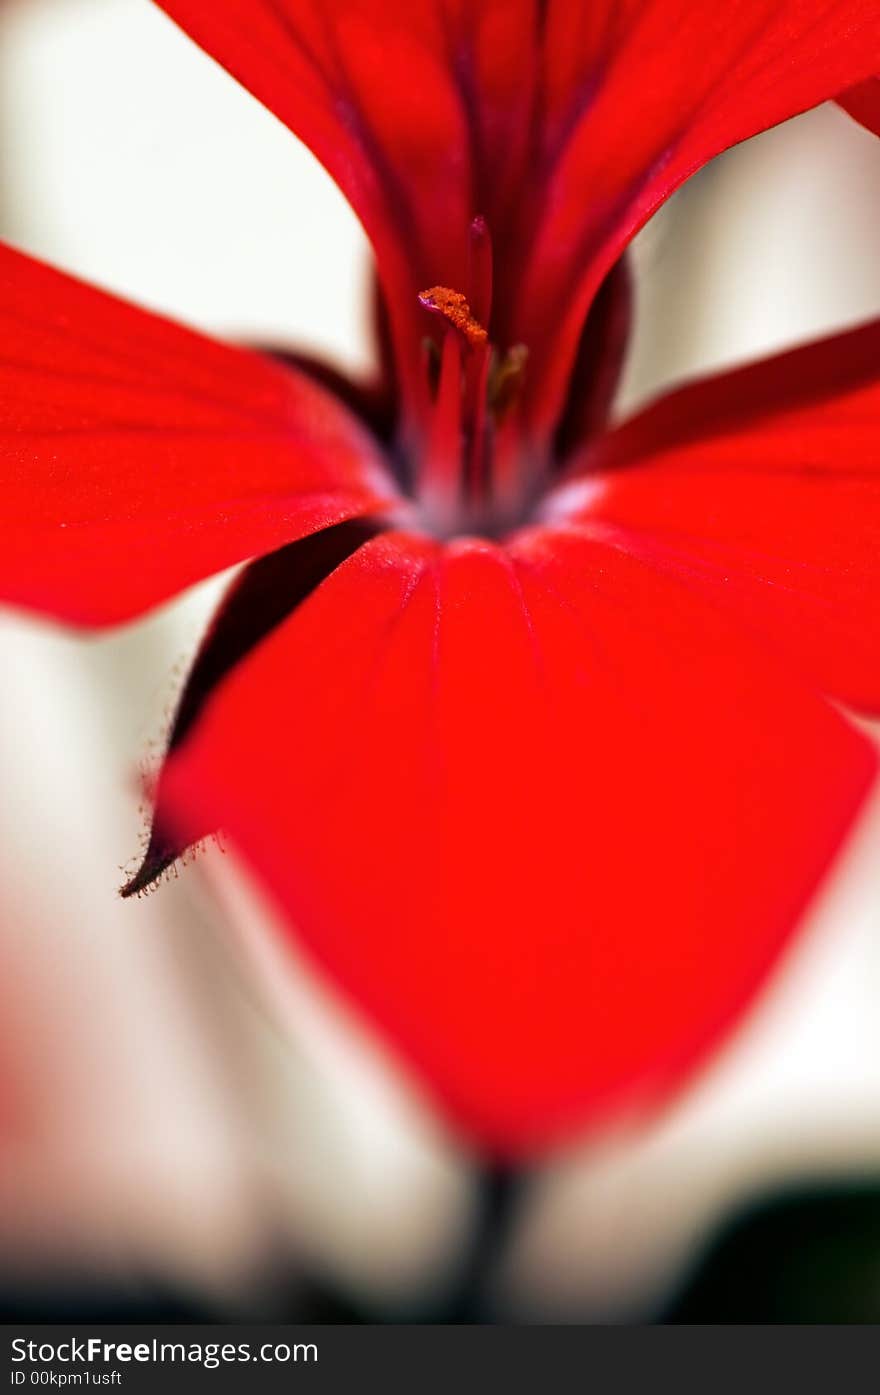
[762,487]
[137,457]
[641,94]
[541,812]
[863,103]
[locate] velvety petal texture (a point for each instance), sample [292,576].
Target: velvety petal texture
[137,457]
[761,489]
[540,810]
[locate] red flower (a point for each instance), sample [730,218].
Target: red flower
[523,721]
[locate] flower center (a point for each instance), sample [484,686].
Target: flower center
[474,474]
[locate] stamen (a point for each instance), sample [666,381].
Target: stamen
[480,269]
[473,473]
[453,306]
[440,481]
[478,470]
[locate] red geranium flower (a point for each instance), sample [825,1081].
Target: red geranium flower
[523,720]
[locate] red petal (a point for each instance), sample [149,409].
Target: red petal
[541,813]
[863,103]
[262,595]
[762,486]
[644,92]
[408,103]
[565,124]
[137,457]
[599,363]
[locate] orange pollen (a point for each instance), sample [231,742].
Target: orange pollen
[453,306]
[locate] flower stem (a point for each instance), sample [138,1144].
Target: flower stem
[499,1190]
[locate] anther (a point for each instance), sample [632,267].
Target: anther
[454,308]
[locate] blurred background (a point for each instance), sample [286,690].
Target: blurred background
[191,1125]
